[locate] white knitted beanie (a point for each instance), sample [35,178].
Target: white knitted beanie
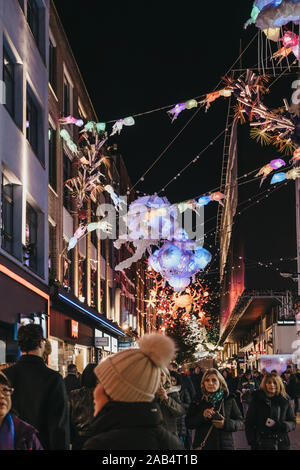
[134,375]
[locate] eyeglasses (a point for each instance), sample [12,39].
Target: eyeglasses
[6,391]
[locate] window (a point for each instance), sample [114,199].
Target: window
[9,80]
[67,97]
[32,123]
[67,268]
[52,65]
[30,255]
[52,250]
[7,215]
[67,173]
[52,158]
[33,19]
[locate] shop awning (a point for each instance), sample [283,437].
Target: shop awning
[249,307]
[72,303]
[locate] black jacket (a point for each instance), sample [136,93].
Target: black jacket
[261,408]
[40,399]
[219,439]
[294,386]
[72,383]
[130,426]
[81,415]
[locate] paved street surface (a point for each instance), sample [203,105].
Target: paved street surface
[241,442]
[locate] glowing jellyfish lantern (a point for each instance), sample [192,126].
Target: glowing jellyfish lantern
[191,104]
[154,262]
[203,201]
[276,164]
[170,256]
[278,178]
[201,258]
[72,243]
[179,283]
[290,39]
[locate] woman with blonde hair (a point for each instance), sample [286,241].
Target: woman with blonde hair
[270,416]
[214,414]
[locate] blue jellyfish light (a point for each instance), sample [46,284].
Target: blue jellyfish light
[278,178]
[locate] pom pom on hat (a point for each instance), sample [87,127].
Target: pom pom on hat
[160,349]
[134,375]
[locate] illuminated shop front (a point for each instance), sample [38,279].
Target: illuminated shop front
[24,300]
[74,328]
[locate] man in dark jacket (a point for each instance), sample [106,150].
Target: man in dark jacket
[72,382]
[40,396]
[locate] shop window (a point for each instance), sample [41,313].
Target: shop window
[30,250]
[52,64]
[52,158]
[34,124]
[7,214]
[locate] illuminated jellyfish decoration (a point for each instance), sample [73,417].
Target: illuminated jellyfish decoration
[149,220]
[179,260]
[274,13]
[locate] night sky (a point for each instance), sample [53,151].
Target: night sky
[135,58]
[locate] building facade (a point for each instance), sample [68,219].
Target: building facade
[257,242]
[24,294]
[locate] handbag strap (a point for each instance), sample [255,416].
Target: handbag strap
[203,443]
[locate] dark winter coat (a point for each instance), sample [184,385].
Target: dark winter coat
[171,409]
[261,408]
[72,383]
[40,399]
[219,439]
[81,415]
[294,385]
[186,400]
[26,436]
[250,386]
[130,426]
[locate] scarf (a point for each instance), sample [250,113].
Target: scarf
[7,434]
[216,397]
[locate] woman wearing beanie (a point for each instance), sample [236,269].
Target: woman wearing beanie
[214,414]
[169,401]
[126,416]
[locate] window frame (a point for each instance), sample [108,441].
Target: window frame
[6,236]
[7,54]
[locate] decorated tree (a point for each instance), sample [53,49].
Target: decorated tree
[180,332]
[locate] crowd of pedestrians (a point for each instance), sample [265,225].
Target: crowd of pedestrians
[138,399]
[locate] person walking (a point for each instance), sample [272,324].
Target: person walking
[247,386]
[214,414]
[294,389]
[15,434]
[82,407]
[126,414]
[169,401]
[72,382]
[270,416]
[40,396]
[184,434]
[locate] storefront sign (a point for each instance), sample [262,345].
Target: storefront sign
[101,342]
[74,329]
